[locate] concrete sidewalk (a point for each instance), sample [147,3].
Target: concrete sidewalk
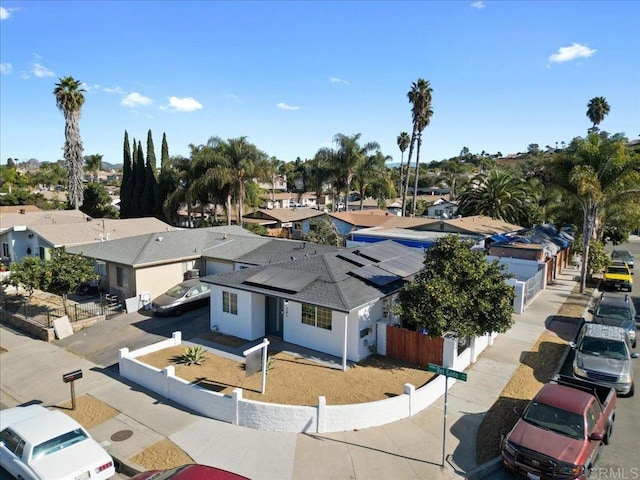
[31,371]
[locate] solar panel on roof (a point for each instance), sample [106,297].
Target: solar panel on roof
[353,258]
[375,275]
[402,266]
[277,278]
[382,251]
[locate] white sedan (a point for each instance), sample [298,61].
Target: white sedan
[41,444]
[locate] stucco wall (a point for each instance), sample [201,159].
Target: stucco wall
[237,325]
[158,279]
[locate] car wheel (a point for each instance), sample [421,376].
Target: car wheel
[607,437]
[177,311]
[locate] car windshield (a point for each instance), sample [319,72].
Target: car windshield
[601,347]
[177,291]
[58,443]
[555,419]
[614,313]
[621,254]
[618,270]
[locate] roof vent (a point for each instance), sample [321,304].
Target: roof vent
[159,239]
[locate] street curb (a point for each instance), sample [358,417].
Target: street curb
[126,468]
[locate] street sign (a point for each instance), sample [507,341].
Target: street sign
[440,370]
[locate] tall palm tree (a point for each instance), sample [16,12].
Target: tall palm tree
[499,195]
[371,169]
[348,158]
[420,98]
[318,171]
[94,163]
[69,99]
[597,109]
[403,143]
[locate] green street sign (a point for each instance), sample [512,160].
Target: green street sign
[440,370]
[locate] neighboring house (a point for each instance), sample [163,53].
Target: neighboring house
[27,215]
[280,184]
[442,208]
[40,237]
[152,263]
[423,232]
[329,302]
[292,222]
[347,222]
[278,200]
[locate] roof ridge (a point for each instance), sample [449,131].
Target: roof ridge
[144,247]
[333,277]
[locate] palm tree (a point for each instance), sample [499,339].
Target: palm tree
[348,158]
[69,99]
[94,163]
[420,98]
[597,175]
[597,109]
[403,143]
[371,169]
[318,171]
[499,195]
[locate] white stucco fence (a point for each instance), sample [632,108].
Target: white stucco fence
[322,418]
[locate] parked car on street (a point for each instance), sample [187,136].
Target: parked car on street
[41,444]
[623,255]
[618,311]
[617,277]
[561,431]
[190,472]
[603,356]
[181,297]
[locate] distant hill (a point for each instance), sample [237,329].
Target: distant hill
[110,166]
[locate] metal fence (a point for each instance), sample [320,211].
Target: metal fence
[106,305]
[532,286]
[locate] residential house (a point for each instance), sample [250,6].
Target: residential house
[279,183]
[442,208]
[347,222]
[53,230]
[328,302]
[290,223]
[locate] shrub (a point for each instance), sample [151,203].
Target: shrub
[192,356]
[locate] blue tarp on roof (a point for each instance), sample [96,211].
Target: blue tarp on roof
[500,238]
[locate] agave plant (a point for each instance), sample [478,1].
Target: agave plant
[192,356]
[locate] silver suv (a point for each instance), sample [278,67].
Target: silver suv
[603,355]
[618,311]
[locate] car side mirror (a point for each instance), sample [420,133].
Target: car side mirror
[517,411]
[573,345]
[590,311]
[635,355]
[596,436]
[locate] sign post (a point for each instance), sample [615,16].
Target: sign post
[440,370]
[252,354]
[71,377]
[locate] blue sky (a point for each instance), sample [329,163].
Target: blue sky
[290,75]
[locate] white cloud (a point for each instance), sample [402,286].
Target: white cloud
[41,71]
[185,104]
[134,99]
[336,80]
[479,4]
[6,13]
[6,68]
[117,90]
[566,54]
[284,106]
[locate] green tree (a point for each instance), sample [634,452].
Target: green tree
[349,157]
[371,169]
[139,174]
[94,164]
[596,173]
[28,274]
[126,190]
[149,193]
[177,184]
[97,202]
[403,141]
[64,272]
[322,230]
[499,195]
[317,172]
[69,99]
[457,290]
[597,109]
[163,185]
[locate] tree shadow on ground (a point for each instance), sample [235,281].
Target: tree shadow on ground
[566,328]
[545,361]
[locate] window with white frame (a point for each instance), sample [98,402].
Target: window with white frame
[316,316]
[230,302]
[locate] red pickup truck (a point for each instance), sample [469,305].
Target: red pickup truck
[561,431]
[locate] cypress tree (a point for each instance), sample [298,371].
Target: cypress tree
[163,187]
[125,191]
[137,203]
[149,193]
[164,155]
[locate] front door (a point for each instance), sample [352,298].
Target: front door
[274,315]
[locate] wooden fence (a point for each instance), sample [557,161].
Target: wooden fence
[414,347]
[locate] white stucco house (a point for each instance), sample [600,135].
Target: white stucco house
[328,302]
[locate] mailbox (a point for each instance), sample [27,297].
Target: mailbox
[71,376]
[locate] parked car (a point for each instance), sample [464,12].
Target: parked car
[617,277]
[623,255]
[181,297]
[190,472]
[561,431]
[603,356]
[618,311]
[41,444]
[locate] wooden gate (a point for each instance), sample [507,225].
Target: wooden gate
[414,347]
